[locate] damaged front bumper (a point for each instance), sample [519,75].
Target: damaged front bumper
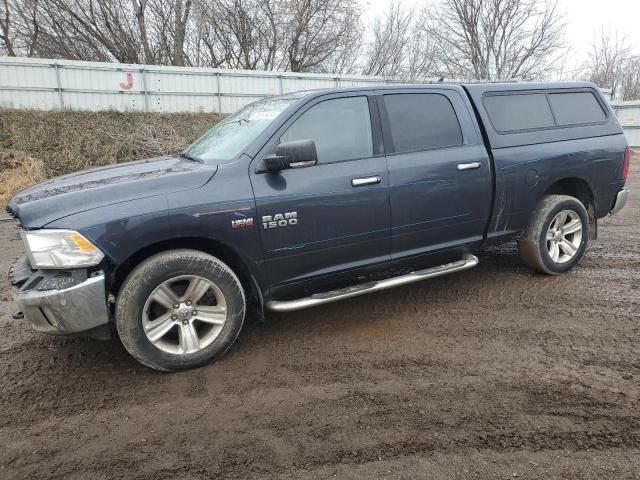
[60,302]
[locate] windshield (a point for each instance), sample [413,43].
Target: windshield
[231,136]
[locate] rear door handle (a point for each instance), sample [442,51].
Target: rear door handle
[468,166]
[359,182]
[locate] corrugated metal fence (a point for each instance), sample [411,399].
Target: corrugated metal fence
[628,114]
[58,84]
[63,84]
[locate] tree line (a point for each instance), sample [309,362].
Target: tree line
[472,39]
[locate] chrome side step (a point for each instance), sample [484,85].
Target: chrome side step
[468,261]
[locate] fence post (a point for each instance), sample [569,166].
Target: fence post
[59,85]
[281,84]
[219,92]
[144,86]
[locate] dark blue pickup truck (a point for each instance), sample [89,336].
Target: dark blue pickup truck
[312,197]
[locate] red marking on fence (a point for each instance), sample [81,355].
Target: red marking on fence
[129,84]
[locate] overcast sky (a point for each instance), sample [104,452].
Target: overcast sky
[583,17]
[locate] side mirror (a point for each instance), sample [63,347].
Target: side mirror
[296,154]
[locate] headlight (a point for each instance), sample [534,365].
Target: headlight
[60,249]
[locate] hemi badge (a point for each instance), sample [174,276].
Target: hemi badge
[242,223]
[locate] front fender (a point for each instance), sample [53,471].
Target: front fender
[210,213]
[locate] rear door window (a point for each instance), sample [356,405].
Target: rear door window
[515,112]
[422,121]
[576,108]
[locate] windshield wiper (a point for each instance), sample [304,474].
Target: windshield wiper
[189,157]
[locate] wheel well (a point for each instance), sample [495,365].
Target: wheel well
[578,188]
[212,247]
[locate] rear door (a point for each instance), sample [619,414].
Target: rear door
[440,180]
[341,205]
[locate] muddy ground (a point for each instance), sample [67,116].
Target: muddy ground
[492,373]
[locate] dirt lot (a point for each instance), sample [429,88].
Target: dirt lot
[492,373]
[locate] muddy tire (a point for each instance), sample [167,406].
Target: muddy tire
[557,234]
[179,309]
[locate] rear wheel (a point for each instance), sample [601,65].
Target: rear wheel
[179,309]
[556,237]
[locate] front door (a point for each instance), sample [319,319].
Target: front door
[439,171]
[333,216]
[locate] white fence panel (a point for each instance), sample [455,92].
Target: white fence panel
[628,114]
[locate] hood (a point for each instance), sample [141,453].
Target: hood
[59,197]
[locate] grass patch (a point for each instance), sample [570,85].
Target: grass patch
[18,171]
[38,145]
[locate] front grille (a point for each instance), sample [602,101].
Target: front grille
[13,215]
[11,212]
[20,271]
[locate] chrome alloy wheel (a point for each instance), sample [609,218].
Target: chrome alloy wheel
[184,314]
[564,236]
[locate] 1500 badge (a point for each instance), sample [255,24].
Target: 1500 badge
[279,220]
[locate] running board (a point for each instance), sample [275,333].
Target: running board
[468,261]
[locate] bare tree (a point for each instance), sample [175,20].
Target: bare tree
[139,9]
[6,33]
[630,79]
[496,39]
[181,17]
[88,30]
[19,27]
[401,46]
[170,19]
[391,35]
[422,59]
[457,38]
[239,33]
[129,31]
[297,35]
[608,58]
[315,32]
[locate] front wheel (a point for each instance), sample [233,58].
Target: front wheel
[179,309]
[556,237]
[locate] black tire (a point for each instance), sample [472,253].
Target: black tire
[533,245]
[145,279]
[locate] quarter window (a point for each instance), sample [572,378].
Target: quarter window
[575,108]
[340,128]
[422,121]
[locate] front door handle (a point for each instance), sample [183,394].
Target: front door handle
[468,166]
[359,182]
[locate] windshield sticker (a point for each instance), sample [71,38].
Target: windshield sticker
[266,115]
